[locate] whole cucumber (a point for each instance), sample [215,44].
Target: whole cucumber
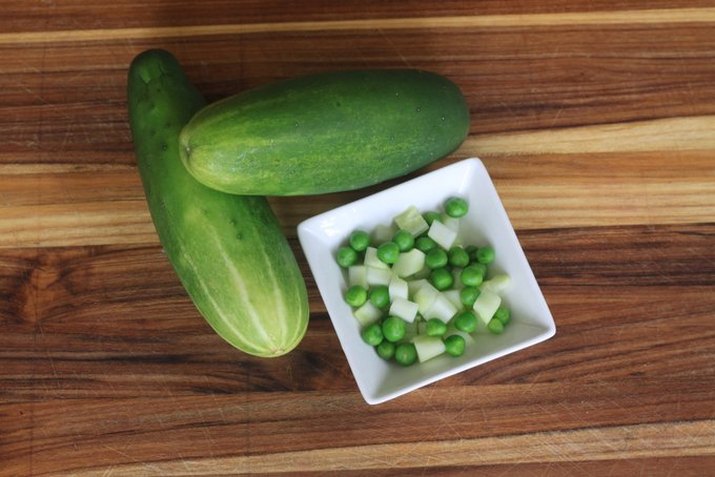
[228,250]
[325,133]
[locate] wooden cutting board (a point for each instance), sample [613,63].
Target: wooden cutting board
[597,124]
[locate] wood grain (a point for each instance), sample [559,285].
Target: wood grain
[595,121]
[630,17]
[58,206]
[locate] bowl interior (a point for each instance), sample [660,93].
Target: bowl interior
[485,223]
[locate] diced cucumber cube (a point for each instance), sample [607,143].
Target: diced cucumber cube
[443,235]
[428,347]
[441,308]
[357,275]
[398,288]
[454,298]
[425,297]
[412,221]
[371,259]
[383,233]
[409,263]
[377,276]
[414,285]
[367,314]
[497,283]
[486,305]
[405,309]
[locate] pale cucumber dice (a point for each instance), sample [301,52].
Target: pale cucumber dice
[496,284]
[357,275]
[383,233]
[414,285]
[412,221]
[486,305]
[425,297]
[454,298]
[428,347]
[367,314]
[405,309]
[441,308]
[377,276]
[398,288]
[371,259]
[443,235]
[409,263]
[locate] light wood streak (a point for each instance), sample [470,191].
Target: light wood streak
[623,442]
[636,17]
[668,134]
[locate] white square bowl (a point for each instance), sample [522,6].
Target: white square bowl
[486,223]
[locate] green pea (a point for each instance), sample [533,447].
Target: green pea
[485,255]
[435,327]
[404,240]
[468,295]
[454,345]
[456,207]
[431,216]
[372,334]
[356,296]
[380,296]
[359,240]
[425,244]
[346,257]
[394,328]
[405,354]
[441,278]
[495,326]
[472,276]
[388,252]
[465,321]
[386,350]
[503,315]
[458,257]
[436,258]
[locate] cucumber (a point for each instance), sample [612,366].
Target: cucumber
[325,133]
[228,250]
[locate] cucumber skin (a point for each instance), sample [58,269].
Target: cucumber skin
[228,251]
[325,133]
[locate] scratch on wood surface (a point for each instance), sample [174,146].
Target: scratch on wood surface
[426,396]
[394,47]
[141,465]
